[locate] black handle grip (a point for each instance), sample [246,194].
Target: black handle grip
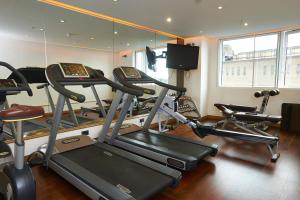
[120,87]
[42,86]
[29,91]
[145,90]
[67,93]
[125,89]
[171,87]
[165,85]
[24,84]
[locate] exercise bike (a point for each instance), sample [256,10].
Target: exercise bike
[16,178]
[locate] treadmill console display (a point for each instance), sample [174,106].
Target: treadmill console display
[7,83]
[73,70]
[131,72]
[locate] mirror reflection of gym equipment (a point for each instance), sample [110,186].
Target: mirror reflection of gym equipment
[149,100]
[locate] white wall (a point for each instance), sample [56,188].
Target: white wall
[196,81]
[21,53]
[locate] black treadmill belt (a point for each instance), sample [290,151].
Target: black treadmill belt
[29,127]
[80,120]
[170,143]
[141,181]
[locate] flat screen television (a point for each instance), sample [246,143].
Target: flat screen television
[182,56]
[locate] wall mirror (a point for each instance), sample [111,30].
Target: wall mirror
[78,38]
[36,34]
[22,38]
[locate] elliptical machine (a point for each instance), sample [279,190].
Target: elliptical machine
[16,179]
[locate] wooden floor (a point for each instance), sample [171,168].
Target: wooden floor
[240,171]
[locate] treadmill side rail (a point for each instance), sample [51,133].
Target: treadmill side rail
[111,191]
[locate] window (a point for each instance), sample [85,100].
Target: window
[256,55]
[244,71]
[238,71]
[273,70]
[288,69]
[265,70]
[298,69]
[235,54]
[161,72]
[292,59]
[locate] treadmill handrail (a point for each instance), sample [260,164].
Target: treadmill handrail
[42,85]
[132,91]
[62,90]
[146,90]
[24,86]
[165,85]
[171,87]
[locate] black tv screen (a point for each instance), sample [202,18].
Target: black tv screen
[182,56]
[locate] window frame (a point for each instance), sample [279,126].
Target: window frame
[277,65]
[282,82]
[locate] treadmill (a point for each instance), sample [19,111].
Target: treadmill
[174,151]
[33,76]
[100,170]
[37,75]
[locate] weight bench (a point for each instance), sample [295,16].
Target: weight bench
[251,123]
[249,114]
[257,117]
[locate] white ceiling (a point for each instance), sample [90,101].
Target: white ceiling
[192,16]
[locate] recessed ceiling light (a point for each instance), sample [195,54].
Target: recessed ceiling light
[61,21]
[92,38]
[115,0]
[41,29]
[200,32]
[220,7]
[128,44]
[116,32]
[246,24]
[169,19]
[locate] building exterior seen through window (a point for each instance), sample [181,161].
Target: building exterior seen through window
[262,64]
